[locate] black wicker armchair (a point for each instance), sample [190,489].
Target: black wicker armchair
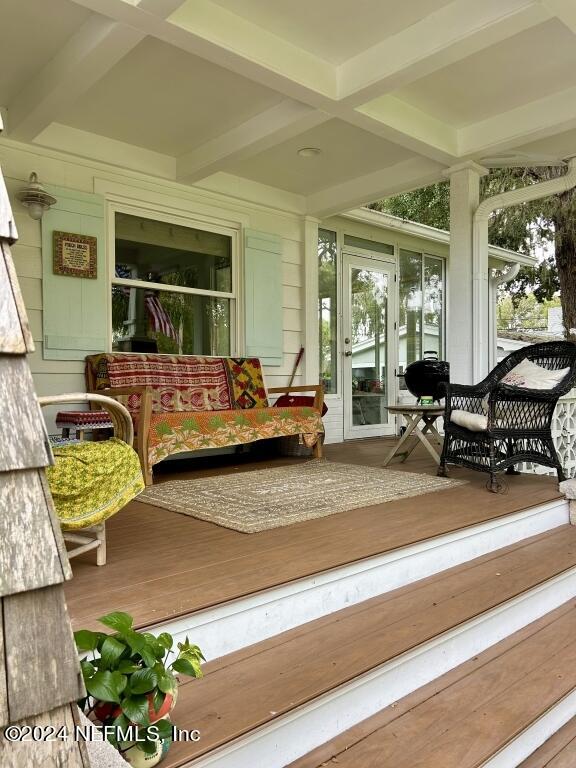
[517,421]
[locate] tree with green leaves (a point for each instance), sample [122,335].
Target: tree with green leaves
[550,220]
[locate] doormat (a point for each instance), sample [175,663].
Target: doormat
[272,498]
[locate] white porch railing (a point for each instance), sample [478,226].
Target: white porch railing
[564,434]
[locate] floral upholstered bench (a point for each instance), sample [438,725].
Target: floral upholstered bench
[185,403]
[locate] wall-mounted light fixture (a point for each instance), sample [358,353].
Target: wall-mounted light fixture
[35,198]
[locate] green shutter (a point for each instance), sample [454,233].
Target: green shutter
[75,310]
[263,296]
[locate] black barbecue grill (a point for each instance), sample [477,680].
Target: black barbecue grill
[423,377]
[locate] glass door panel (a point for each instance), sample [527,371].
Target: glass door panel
[368,346]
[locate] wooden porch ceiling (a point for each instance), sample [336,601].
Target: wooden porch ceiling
[422,86]
[162,565]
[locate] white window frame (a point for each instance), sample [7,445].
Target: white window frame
[190,222]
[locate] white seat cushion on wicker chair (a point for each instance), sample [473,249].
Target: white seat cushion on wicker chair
[475,422]
[531,376]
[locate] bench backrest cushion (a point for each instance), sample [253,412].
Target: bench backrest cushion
[182,382]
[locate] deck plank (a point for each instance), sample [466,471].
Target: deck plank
[558,752]
[287,671]
[465,721]
[162,565]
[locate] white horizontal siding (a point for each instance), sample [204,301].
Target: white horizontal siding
[54,376]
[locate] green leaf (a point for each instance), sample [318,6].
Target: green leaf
[126,666]
[88,670]
[166,640]
[139,645]
[149,746]
[120,681]
[86,640]
[154,644]
[136,709]
[103,686]
[187,667]
[167,681]
[164,729]
[143,681]
[117,620]
[110,653]
[120,723]
[158,700]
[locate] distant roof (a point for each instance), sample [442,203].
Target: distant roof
[386,220]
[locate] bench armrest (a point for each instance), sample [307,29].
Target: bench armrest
[318,389]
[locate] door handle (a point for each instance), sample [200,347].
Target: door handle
[348,353]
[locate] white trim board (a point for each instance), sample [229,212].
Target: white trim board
[290,736]
[236,624]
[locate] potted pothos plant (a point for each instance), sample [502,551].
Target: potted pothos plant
[131,686]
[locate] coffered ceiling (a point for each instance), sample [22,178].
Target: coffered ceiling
[391,94]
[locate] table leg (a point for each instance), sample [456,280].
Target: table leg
[431,428]
[428,445]
[411,423]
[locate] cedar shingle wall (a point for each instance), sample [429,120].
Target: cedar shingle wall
[39,671]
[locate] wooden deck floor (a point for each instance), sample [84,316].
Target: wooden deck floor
[162,564]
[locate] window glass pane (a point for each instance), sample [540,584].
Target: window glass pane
[173,323]
[368,245]
[369,306]
[433,305]
[159,252]
[410,309]
[327,309]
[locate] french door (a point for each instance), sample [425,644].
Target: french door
[369,350]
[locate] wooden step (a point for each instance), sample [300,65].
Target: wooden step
[466,718]
[338,670]
[558,752]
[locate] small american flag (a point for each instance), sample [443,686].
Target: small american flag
[159,317]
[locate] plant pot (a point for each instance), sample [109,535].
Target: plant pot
[106,710]
[165,709]
[139,759]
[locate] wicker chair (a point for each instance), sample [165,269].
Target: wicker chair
[518,426]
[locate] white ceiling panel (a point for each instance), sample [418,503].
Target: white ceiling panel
[334,30]
[164,99]
[32,33]
[524,68]
[346,152]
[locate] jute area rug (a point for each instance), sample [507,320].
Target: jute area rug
[271,498]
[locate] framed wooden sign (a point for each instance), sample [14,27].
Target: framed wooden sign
[75,255]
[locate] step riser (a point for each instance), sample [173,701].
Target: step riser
[532,738]
[241,623]
[288,738]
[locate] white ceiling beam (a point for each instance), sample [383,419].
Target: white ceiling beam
[97,46]
[402,177]
[225,39]
[396,120]
[269,128]
[539,119]
[450,34]
[161,8]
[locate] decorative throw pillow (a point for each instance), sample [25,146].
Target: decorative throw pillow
[528,375]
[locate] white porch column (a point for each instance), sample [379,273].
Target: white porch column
[310,334]
[467,291]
